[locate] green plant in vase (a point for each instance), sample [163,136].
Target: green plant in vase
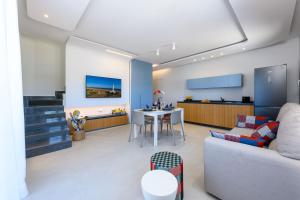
[78,125]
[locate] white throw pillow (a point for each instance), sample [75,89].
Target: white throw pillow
[285,109]
[288,136]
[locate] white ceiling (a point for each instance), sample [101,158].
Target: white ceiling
[59,12]
[200,29]
[140,27]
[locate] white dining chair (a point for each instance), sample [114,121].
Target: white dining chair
[139,119]
[176,119]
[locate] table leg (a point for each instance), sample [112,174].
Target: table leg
[155,128]
[182,122]
[135,131]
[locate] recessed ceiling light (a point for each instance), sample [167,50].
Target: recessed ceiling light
[155,65]
[157,52]
[194,59]
[46,16]
[173,46]
[244,48]
[221,54]
[118,53]
[212,56]
[203,58]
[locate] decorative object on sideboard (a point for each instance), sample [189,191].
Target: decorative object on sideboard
[77,123]
[188,98]
[205,101]
[118,111]
[158,98]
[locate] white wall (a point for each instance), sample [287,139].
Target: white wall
[87,58]
[173,80]
[43,66]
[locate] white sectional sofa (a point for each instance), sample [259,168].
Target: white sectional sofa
[235,171]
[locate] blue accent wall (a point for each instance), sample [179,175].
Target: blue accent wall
[141,84]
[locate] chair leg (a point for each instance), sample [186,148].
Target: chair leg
[182,131]
[173,134]
[130,134]
[142,137]
[167,129]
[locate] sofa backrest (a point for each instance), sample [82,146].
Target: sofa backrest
[285,109]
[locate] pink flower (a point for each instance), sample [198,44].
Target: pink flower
[157,91]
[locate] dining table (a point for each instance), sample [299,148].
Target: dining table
[155,114]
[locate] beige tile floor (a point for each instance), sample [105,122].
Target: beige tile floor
[105,166]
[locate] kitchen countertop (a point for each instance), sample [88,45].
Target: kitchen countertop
[217,102]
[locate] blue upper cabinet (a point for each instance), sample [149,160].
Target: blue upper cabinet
[226,81]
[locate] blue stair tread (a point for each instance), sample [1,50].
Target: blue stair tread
[44,147]
[48,142]
[46,134]
[50,129]
[49,121]
[46,113]
[46,108]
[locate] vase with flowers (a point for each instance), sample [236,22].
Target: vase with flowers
[158,95]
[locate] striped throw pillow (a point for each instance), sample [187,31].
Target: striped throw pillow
[258,142]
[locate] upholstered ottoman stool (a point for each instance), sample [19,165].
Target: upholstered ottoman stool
[172,163]
[159,185]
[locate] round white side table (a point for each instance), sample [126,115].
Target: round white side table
[159,185]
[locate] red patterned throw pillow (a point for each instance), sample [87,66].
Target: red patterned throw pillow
[246,121]
[258,142]
[266,131]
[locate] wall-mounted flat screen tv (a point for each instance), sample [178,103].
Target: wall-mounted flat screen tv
[103,87]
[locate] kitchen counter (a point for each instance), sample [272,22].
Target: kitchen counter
[217,102]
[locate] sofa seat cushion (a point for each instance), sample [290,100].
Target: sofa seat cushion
[288,136]
[242,131]
[246,121]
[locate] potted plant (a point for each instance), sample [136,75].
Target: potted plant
[77,123]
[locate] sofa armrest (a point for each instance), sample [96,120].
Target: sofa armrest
[237,171]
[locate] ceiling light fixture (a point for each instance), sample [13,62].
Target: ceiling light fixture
[195,60]
[221,54]
[46,16]
[157,52]
[118,53]
[212,56]
[244,48]
[155,65]
[203,58]
[173,46]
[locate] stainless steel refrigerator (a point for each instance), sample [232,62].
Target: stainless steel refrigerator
[270,90]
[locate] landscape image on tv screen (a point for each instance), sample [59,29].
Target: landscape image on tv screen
[102,87]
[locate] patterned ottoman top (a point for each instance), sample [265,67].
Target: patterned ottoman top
[166,159]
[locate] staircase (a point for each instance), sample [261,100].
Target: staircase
[46,127]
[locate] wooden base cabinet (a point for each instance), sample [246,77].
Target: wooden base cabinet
[221,115]
[94,124]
